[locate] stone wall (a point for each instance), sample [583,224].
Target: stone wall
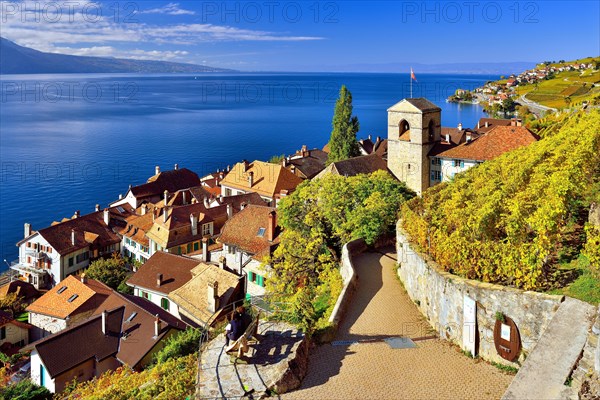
[588,369]
[439,296]
[348,277]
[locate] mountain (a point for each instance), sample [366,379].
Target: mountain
[15,59]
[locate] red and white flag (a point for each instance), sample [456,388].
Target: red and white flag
[412,75]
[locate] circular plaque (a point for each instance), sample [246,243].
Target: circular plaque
[507,339]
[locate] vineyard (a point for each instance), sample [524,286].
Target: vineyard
[516,220]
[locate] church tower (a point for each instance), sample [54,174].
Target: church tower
[414,127]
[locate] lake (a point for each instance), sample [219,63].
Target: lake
[70,141]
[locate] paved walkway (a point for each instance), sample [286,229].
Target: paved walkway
[380,308]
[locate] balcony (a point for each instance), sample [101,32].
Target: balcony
[35,275]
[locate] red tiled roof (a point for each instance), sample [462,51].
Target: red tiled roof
[269,179]
[490,145]
[171,181]
[24,290]
[356,165]
[175,270]
[6,318]
[83,296]
[242,230]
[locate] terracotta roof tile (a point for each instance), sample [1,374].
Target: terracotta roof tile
[24,290]
[175,270]
[193,296]
[171,181]
[269,179]
[496,142]
[82,296]
[355,166]
[243,230]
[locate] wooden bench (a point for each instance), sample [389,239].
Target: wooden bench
[241,344]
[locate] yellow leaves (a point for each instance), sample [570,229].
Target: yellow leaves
[504,219]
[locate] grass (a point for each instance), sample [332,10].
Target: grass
[585,287]
[506,368]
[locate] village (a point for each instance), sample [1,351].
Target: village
[194,248]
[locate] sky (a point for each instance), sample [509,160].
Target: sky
[281,35]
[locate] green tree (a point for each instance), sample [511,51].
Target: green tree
[179,345]
[317,219]
[112,271]
[25,390]
[342,143]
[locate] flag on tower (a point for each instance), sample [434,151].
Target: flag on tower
[412,75]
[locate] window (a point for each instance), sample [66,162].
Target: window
[251,276]
[70,261]
[459,163]
[227,192]
[189,247]
[131,317]
[146,295]
[436,175]
[72,298]
[206,229]
[261,232]
[3,333]
[196,246]
[164,303]
[436,161]
[143,259]
[231,249]
[62,289]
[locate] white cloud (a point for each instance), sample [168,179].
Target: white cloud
[77,28]
[169,9]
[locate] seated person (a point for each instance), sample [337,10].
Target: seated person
[237,328]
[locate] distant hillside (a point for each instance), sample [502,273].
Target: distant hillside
[521,219]
[15,59]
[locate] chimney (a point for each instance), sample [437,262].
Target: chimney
[176,167]
[156,170]
[251,179]
[213,296]
[304,151]
[229,210]
[165,216]
[478,124]
[244,166]
[166,197]
[272,226]
[206,202]
[468,137]
[73,237]
[293,169]
[27,230]
[83,278]
[104,327]
[106,216]
[205,253]
[228,168]
[378,139]
[97,207]
[120,196]
[460,126]
[77,214]
[144,209]
[487,124]
[159,278]
[194,224]
[221,176]
[156,326]
[447,137]
[519,122]
[184,198]
[284,162]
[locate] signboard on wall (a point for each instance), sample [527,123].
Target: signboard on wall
[469,332]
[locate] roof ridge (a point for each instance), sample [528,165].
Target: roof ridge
[75,327]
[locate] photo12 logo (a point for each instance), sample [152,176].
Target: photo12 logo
[454,12]
[67,91]
[68,11]
[252,12]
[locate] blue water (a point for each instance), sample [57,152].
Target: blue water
[68,142]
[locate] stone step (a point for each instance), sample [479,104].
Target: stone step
[545,370]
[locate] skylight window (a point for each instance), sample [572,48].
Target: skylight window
[121,209]
[72,298]
[131,317]
[261,232]
[62,289]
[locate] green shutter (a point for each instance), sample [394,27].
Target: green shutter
[259,280]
